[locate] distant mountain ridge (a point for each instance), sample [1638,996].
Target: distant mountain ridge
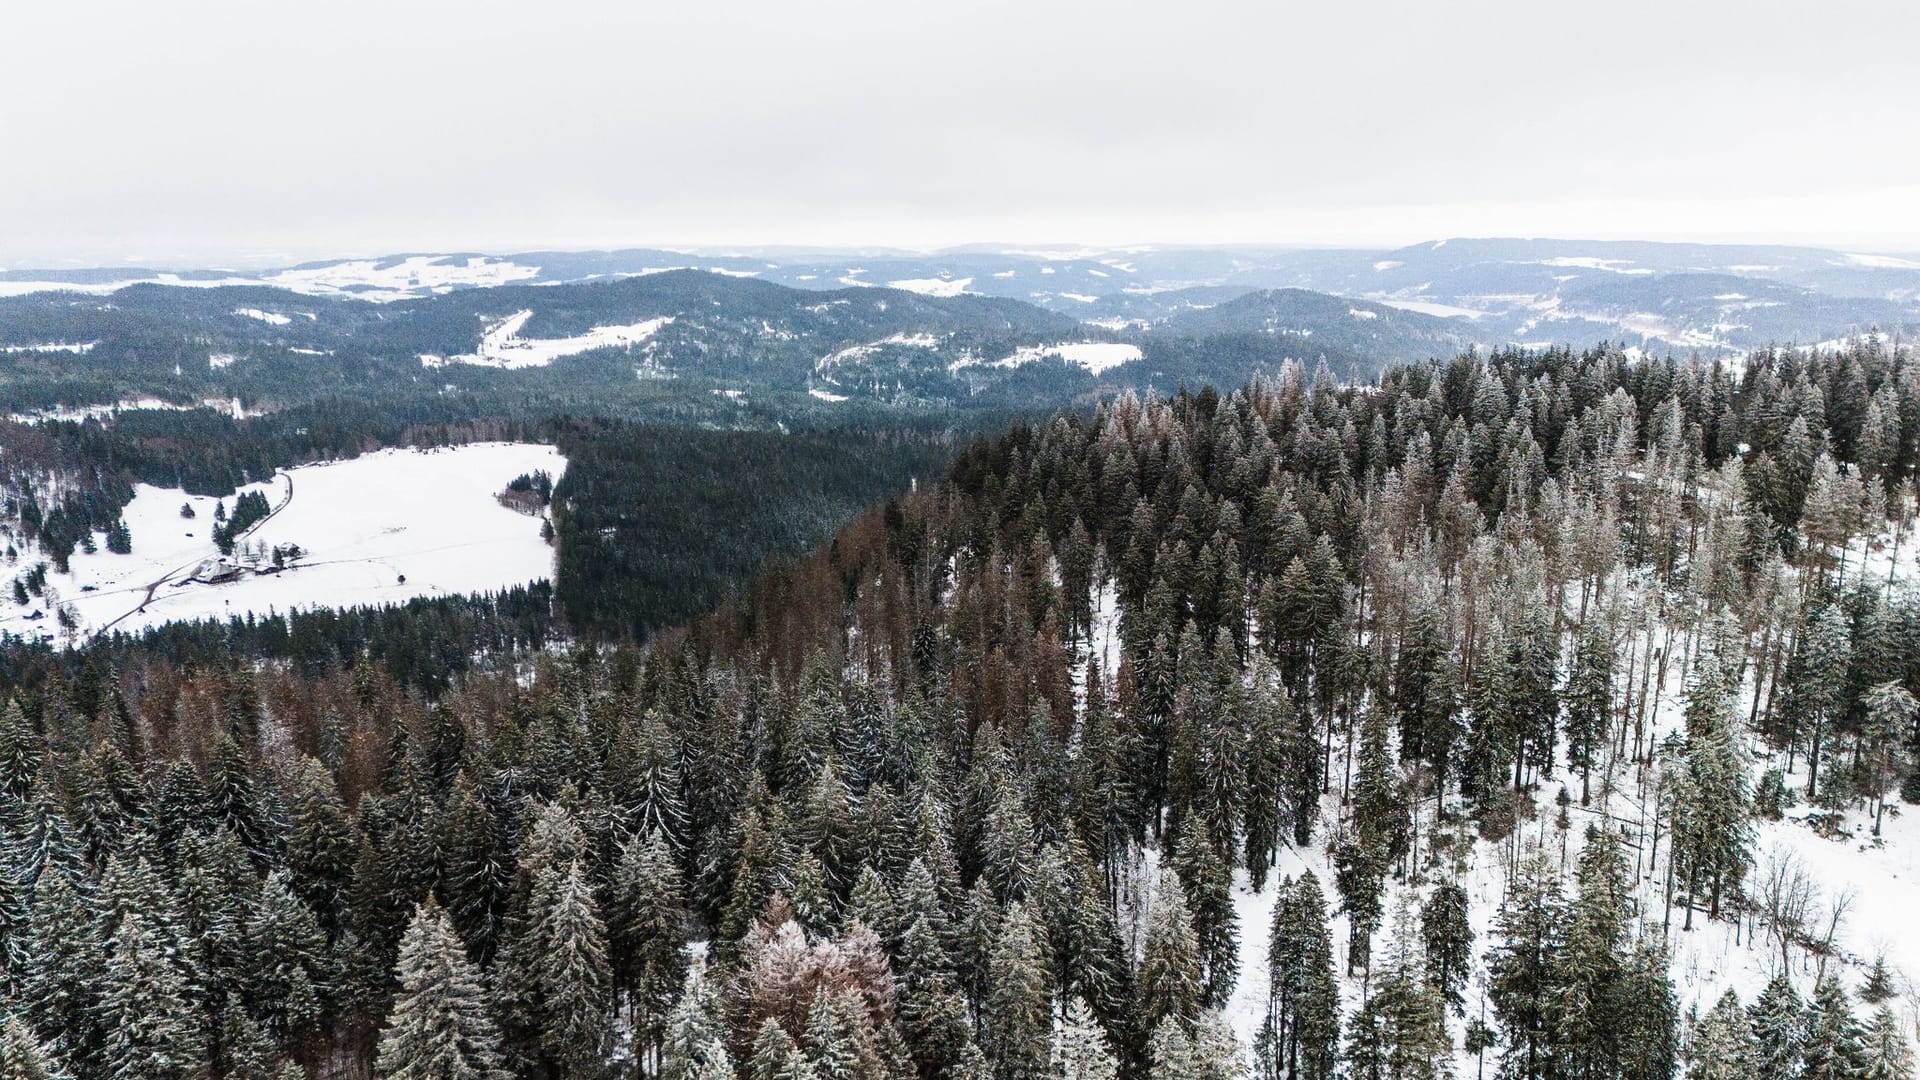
[973,328]
[1501,291]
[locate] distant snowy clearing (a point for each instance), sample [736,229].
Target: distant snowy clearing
[933,286]
[1095,356]
[503,347]
[378,529]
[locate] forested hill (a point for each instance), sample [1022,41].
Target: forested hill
[1394,730]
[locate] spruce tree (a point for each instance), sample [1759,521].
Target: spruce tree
[645,934]
[1524,970]
[1723,1046]
[1208,880]
[1018,1010]
[1304,995]
[556,984]
[147,1010]
[1170,981]
[1080,1047]
[1885,1052]
[1447,935]
[22,1057]
[439,1028]
[1830,1047]
[1779,1026]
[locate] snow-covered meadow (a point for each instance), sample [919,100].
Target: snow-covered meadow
[378,529]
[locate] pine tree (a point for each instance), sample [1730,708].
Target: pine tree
[439,1028]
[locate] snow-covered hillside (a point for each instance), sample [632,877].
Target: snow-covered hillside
[378,529]
[502,346]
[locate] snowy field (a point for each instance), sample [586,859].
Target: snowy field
[382,528]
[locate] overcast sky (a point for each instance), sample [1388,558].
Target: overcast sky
[239,133]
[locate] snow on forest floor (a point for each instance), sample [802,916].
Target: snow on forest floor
[382,528]
[1874,882]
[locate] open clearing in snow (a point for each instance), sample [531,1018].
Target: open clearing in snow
[503,347]
[382,528]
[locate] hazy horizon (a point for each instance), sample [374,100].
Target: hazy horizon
[232,134]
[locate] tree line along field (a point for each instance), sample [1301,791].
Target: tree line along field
[983,787]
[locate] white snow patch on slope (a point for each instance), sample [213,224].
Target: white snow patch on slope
[933,286]
[503,347]
[1362,313]
[82,413]
[1591,262]
[826,395]
[77,348]
[861,352]
[1095,356]
[415,275]
[1428,307]
[271,318]
[428,515]
[1882,262]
